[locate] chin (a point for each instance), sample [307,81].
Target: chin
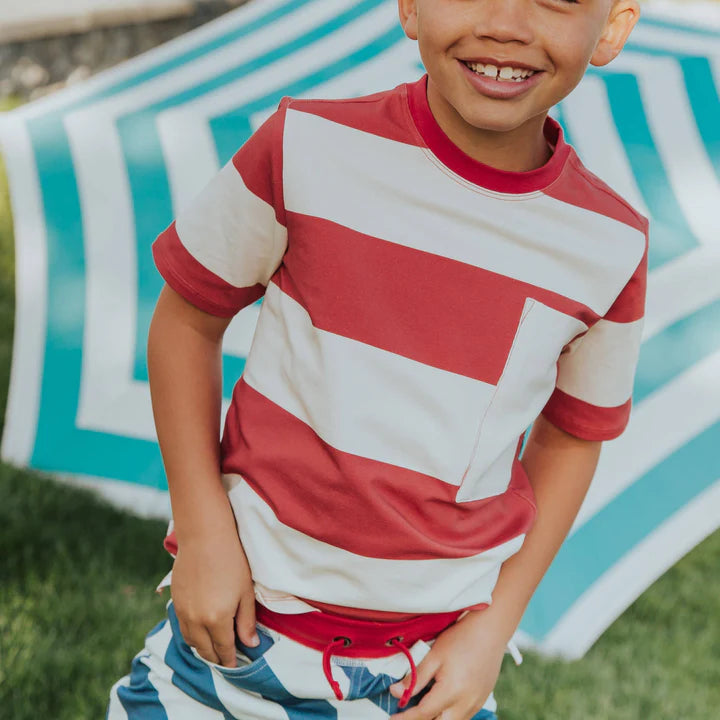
[494,122]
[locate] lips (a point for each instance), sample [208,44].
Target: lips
[500,82]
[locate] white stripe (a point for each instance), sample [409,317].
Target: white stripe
[600,604]
[189,152]
[660,425]
[245,704]
[115,709]
[299,670]
[140,500]
[531,365]
[183,130]
[672,41]
[597,141]
[111,287]
[31,273]
[581,254]
[239,334]
[177,705]
[689,170]
[681,287]
[211,65]
[394,66]
[110,400]
[600,366]
[286,559]
[232,232]
[364,400]
[129,69]
[715,67]
[360,708]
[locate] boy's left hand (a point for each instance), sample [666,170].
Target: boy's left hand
[465,662]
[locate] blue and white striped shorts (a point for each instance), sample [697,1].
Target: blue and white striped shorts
[280,679]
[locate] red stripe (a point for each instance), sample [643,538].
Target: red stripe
[586,190]
[385,114]
[586,421]
[259,161]
[364,506]
[198,285]
[438,311]
[630,303]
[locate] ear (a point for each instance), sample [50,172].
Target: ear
[408,17]
[623,16]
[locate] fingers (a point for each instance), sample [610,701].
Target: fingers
[196,636]
[433,703]
[425,673]
[433,706]
[245,620]
[213,640]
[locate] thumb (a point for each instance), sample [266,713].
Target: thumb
[425,672]
[245,621]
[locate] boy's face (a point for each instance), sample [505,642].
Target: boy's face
[547,44]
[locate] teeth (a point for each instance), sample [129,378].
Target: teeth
[503,73]
[490,71]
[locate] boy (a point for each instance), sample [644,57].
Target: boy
[438,271]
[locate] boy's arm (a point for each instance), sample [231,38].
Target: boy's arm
[211,578]
[185,372]
[560,468]
[465,659]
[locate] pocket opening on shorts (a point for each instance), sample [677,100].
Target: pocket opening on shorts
[249,664]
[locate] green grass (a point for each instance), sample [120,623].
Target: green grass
[77,581]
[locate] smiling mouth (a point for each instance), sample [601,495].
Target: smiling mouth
[504,73]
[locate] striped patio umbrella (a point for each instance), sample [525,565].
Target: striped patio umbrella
[97,171]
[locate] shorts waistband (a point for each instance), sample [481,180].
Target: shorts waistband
[354,637]
[368,638]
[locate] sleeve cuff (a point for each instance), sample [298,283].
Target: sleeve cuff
[198,285]
[584,420]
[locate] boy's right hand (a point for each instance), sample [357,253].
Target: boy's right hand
[213,596]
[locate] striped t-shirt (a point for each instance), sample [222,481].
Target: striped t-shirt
[420,310]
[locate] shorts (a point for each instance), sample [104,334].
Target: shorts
[280,679]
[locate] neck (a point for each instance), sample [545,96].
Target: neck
[519,150]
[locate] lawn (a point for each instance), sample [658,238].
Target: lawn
[77,582]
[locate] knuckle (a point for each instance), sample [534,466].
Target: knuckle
[211,618]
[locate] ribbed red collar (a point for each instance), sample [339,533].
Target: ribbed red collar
[486,176]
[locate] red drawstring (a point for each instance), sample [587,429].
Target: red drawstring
[345,642]
[327,652]
[413,671]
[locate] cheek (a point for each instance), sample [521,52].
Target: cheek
[575,46]
[572,59]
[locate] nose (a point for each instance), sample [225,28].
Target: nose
[504,21]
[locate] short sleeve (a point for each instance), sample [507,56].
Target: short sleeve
[221,250]
[593,391]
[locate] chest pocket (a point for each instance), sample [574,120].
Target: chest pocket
[527,381]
